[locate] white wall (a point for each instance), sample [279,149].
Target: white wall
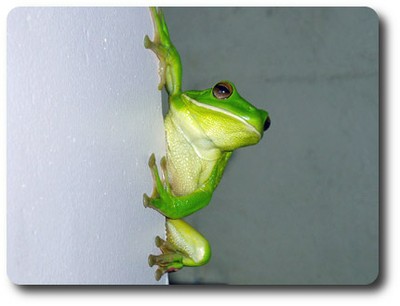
[83,117]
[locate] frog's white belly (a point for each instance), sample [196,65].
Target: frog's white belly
[187,171]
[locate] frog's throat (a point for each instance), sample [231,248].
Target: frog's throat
[186,127]
[226,113]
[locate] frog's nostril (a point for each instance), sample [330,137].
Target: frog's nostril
[267,124]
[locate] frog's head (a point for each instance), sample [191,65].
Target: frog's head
[227,119]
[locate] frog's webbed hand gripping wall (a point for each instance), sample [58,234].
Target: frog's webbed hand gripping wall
[202,129]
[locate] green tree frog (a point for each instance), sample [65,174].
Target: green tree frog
[203,128]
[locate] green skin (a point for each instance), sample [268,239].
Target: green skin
[202,130]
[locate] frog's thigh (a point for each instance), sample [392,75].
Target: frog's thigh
[190,242]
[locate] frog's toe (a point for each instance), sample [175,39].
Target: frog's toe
[163,164]
[147,42]
[159,241]
[151,260]
[152,161]
[159,272]
[152,202]
[146,200]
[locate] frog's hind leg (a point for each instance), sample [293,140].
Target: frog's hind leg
[169,261]
[184,247]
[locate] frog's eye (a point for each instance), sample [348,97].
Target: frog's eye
[222,90]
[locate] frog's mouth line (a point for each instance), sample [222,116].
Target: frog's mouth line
[222,111]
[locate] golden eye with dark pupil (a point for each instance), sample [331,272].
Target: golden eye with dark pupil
[222,90]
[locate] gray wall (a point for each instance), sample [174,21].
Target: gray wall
[301,207]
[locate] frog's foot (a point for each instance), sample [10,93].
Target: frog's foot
[171,260]
[155,47]
[160,44]
[153,168]
[161,188]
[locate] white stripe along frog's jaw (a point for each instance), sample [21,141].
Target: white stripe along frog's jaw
[225,112]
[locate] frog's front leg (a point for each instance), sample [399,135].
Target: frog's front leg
[164,201]
[170,62]
[184,247]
